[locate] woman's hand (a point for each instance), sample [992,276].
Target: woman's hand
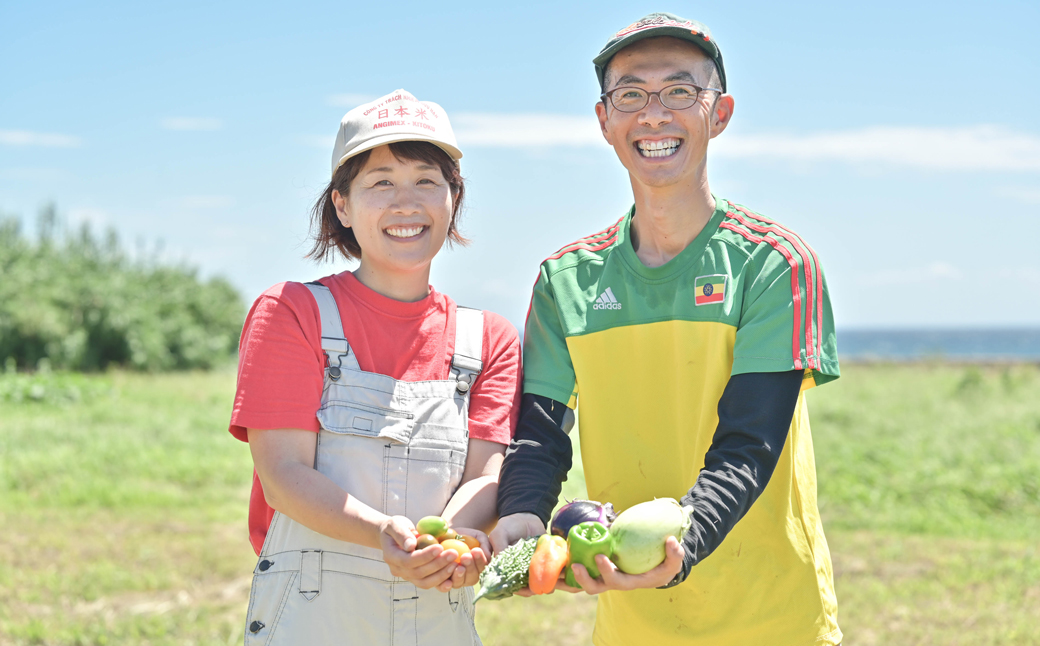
[430,567]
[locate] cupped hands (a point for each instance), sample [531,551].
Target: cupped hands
[432,566]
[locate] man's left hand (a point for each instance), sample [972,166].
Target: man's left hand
[611,578]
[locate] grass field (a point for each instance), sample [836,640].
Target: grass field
[123,508]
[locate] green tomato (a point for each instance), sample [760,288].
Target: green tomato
[433,525]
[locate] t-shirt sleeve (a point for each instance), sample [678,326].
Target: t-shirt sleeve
[494,404]
[280,365]
[548,370]
[786,321]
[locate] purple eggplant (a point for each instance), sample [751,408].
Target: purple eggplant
[577,512]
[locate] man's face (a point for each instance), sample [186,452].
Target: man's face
[662,147]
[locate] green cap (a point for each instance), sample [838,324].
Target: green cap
[661,24]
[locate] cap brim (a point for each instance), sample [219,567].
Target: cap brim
[375,142]
[707,46]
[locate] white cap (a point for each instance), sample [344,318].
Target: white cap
[398,116]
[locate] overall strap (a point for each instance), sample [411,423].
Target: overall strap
[333,341]
[469,342]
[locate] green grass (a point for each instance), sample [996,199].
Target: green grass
[931,449]
[123,504]
[122,511]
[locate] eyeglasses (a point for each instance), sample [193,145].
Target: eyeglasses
[673,97]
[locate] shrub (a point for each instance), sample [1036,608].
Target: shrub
[81,303]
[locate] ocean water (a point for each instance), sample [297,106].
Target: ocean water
[1002,344]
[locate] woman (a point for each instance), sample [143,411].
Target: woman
[369,401]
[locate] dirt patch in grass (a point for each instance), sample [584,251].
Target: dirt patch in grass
[928,590]
[99,578]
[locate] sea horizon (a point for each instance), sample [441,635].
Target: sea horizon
[979,343]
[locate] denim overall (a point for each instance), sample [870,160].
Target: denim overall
[400,448]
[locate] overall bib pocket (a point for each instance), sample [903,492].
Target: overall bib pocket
[354,418]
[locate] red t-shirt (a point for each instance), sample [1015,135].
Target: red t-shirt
[281,365]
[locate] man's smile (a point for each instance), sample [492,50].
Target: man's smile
[658,147]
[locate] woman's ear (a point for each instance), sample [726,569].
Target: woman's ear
[340,201]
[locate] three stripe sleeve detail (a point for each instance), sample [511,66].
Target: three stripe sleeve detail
[806,263]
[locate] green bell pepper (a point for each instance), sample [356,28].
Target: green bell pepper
[584,542]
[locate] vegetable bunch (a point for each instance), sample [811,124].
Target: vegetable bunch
[433,530]
[634,540]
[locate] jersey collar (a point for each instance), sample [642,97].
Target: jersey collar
[681,262]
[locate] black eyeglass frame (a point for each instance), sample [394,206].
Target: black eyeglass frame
[610,95]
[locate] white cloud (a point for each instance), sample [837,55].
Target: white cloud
[29,174]
[91,216]
[207,201]
[318,141]
[1026,195]
[46,139]
[494,130]
[931,272]
[349,100]
[1023,273]
[970,148]
[191,123]
[941,270]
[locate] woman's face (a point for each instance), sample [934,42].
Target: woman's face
[399,210]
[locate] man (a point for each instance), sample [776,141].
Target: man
[688,332]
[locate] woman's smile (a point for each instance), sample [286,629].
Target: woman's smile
[405,232]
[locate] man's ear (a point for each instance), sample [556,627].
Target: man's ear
[721,115]
[340,202]
[601,115]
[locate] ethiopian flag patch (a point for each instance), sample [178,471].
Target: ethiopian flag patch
[709,289]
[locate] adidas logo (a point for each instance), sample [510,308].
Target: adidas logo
[606,301]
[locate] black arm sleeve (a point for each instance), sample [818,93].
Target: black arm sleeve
[755,414]
[536,461]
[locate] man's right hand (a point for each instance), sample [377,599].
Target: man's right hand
[514,527]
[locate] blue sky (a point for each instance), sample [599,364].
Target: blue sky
[901,139]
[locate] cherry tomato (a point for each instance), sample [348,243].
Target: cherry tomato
[433,525]
[457,545]
[448,535]
[470,542]
[424,541]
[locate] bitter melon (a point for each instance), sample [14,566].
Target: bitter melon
[507,572]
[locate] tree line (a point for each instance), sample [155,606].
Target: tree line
[74,300]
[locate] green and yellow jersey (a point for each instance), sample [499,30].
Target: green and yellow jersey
[645,354]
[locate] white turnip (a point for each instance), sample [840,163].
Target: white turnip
[640,531]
